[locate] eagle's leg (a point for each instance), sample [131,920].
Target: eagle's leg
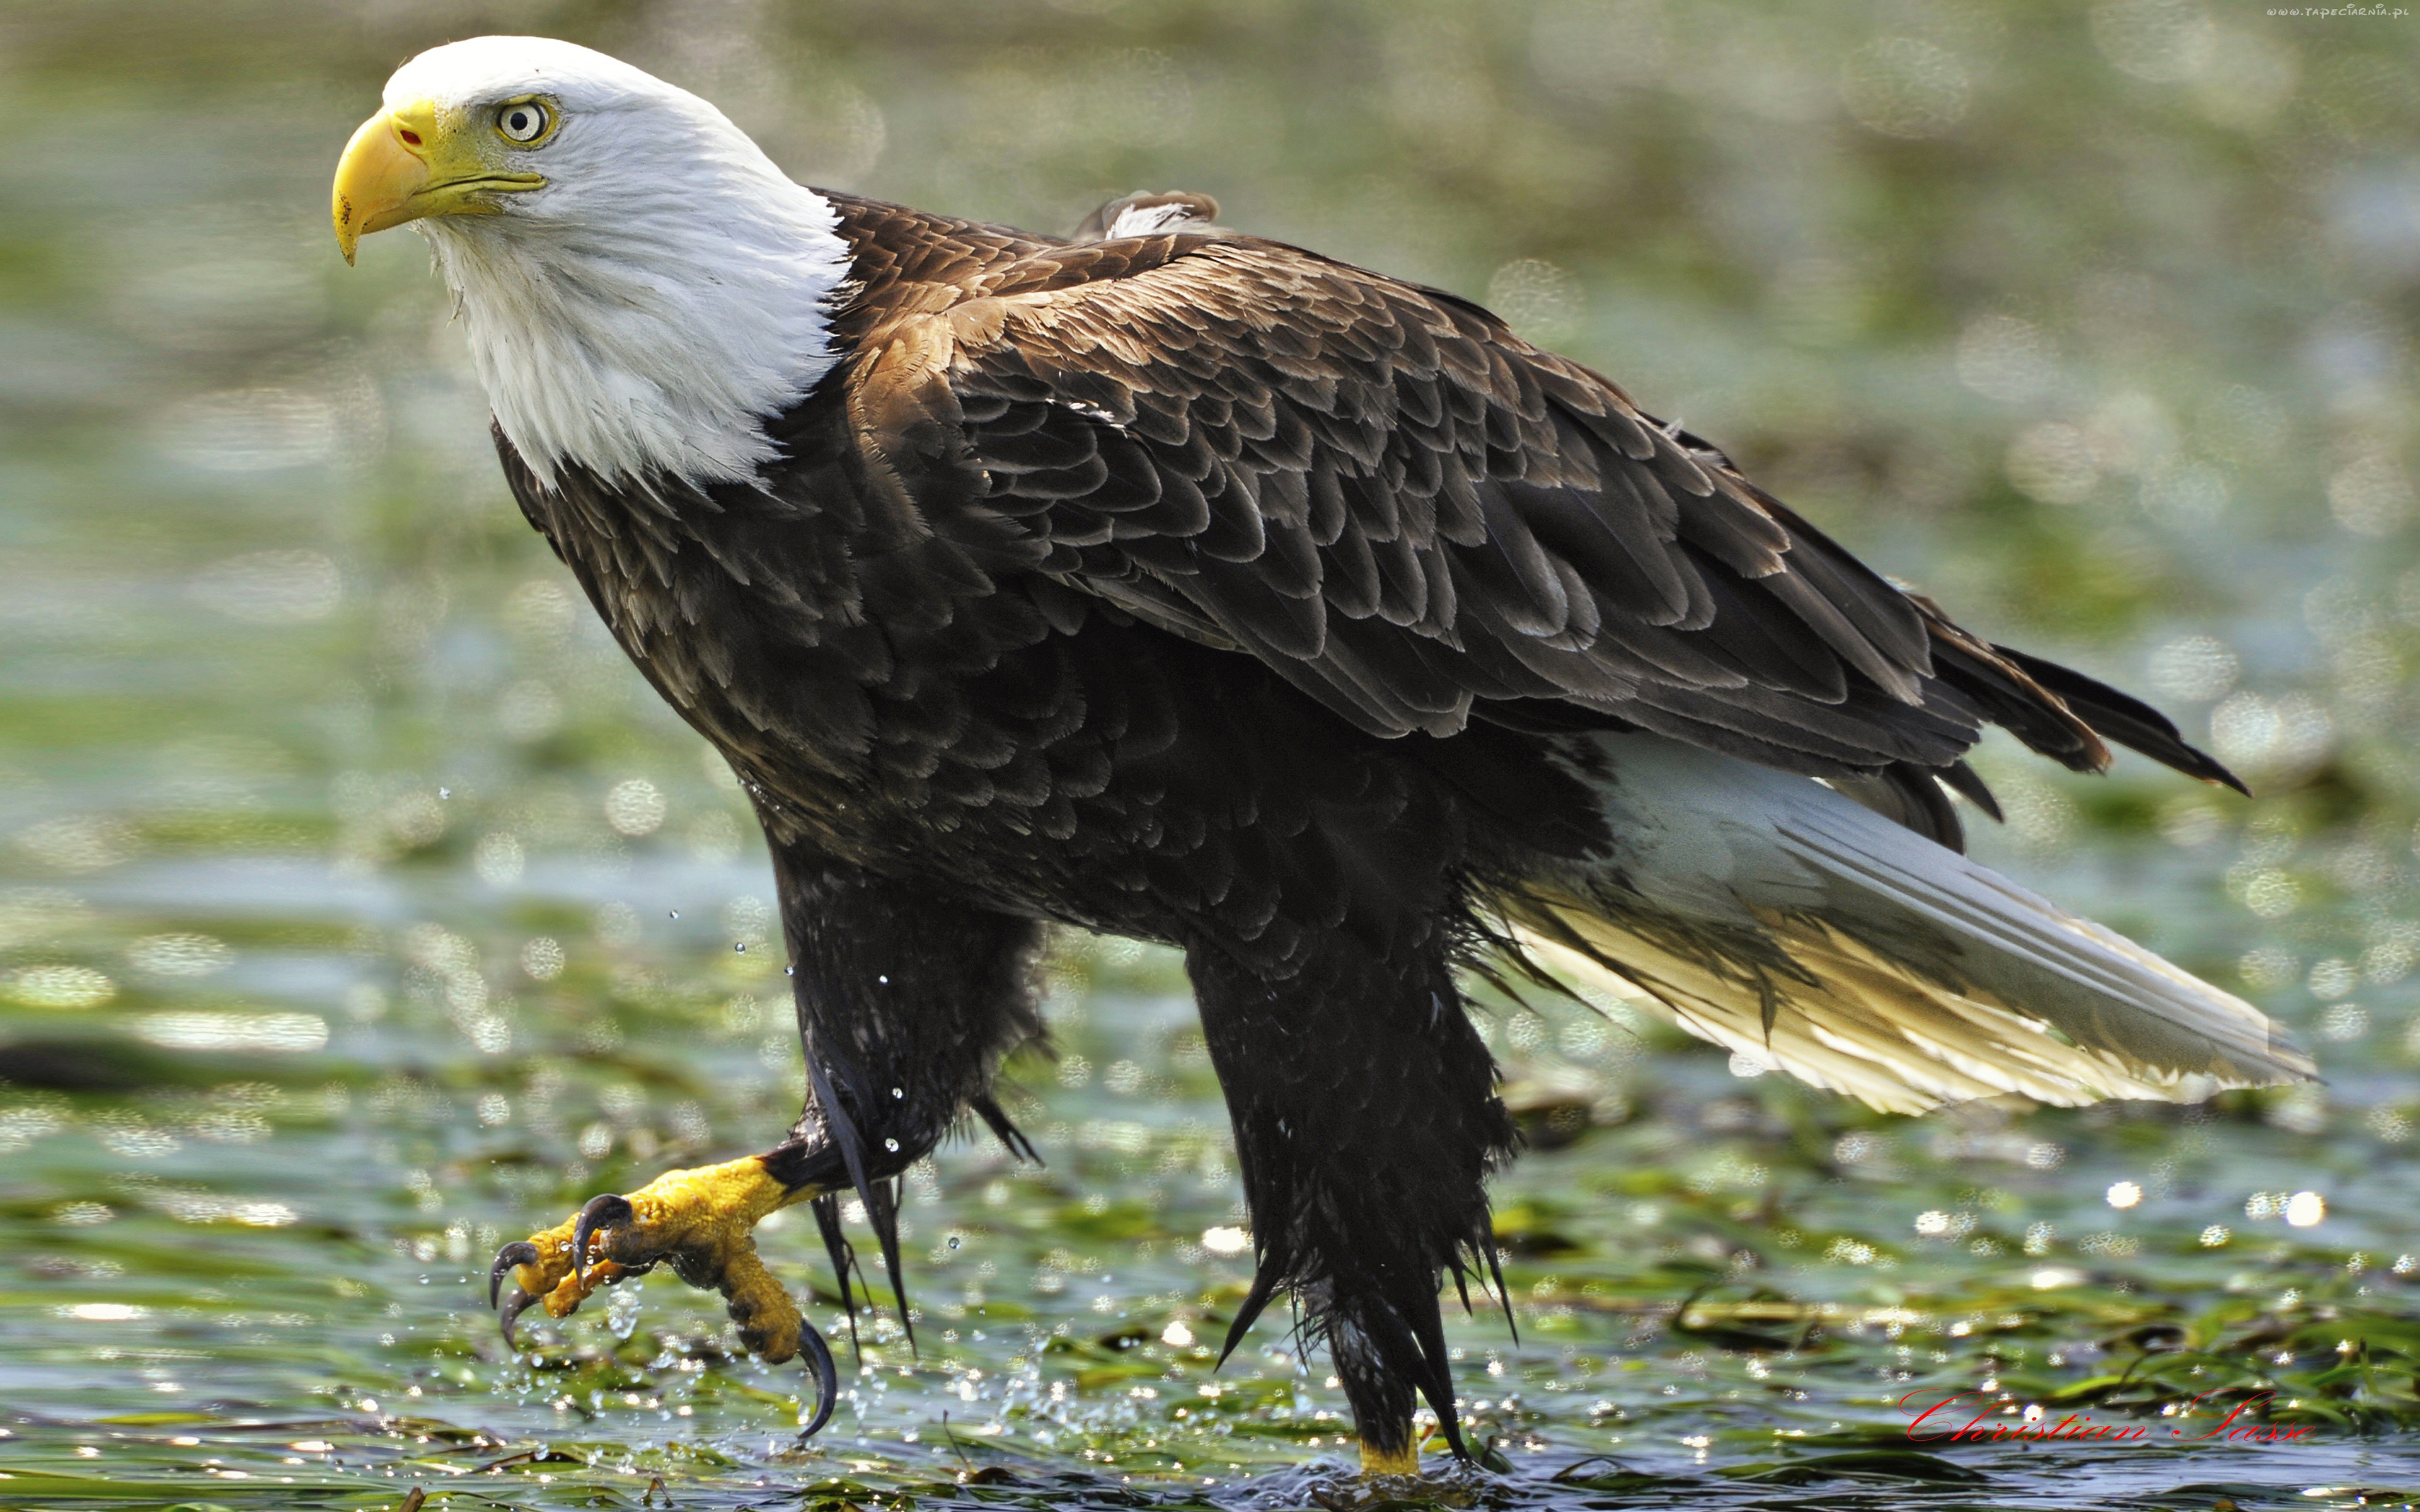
[905,1003]
[1366,1121]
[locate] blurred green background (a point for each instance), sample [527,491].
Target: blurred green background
[360,907]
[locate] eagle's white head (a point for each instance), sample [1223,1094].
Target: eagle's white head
[642,287]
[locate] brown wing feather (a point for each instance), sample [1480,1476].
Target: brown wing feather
[1413,516]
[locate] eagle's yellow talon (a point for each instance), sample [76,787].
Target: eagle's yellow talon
[698,1220]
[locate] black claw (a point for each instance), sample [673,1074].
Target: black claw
[514,1306]
[518,1253]
[602,1211]
[820,1361]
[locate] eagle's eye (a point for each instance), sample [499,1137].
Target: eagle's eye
[523,122]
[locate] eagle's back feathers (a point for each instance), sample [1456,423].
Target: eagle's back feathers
[1409,512]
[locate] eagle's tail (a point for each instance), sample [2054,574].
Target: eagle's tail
[1769,913]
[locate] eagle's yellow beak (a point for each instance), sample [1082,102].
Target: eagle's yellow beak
[418,161]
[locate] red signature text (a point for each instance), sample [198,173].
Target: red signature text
[1937,1422]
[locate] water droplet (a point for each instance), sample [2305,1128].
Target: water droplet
[622,1311]
[885,981]
[742,948]
[789,971]
[955,1241]
[444,793]
[676,913]
[890,1145]
[899,1092]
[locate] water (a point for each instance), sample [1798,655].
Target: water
[360,909]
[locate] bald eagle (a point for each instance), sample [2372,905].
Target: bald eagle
[1178,584]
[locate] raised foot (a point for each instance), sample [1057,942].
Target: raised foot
[697,1221]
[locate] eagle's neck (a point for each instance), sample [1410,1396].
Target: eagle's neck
[649,340]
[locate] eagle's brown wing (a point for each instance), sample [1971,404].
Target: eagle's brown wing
[1420,518]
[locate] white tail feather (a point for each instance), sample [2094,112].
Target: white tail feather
[1770,915]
